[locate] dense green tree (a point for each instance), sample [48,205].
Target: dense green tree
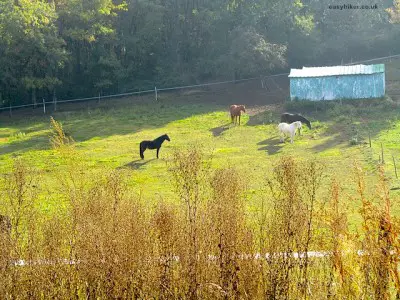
[89,29]
[31,51]
[356,34]
[85,47]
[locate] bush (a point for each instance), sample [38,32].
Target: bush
[108,244]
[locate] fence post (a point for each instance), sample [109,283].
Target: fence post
[98,101]
[262,82]
[44,106]
[395,168]
[54,100]
[155,90]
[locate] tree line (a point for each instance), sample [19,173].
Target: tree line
[78,48]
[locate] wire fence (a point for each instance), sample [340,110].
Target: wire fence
[156,90]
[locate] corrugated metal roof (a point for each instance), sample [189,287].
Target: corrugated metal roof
[337,70]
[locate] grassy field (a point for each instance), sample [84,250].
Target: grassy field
[108,134]
[119,216]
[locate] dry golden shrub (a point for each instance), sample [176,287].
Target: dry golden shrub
[59,138]
[106,243]
[229,238]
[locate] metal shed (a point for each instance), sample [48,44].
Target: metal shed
[338,82]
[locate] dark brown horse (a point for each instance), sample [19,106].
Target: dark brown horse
[155,144]
[236,111]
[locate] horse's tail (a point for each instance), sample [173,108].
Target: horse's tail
[141,150]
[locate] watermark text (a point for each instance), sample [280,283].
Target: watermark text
[352,6]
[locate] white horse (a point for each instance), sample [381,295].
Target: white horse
[285,128]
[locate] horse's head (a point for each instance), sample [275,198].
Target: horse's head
[167,137]
[308,124]
[298,124]
[242,108]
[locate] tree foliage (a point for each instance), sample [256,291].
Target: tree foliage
[84,47]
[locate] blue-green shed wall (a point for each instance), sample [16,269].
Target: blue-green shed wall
[338,87]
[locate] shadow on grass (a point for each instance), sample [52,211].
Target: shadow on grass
[344,128]
[125,116]
[136,164]
[35,144]
[272,145]
[217,131]
[131,115]
[354,119]
[128,119]
[347,119]
[337,134]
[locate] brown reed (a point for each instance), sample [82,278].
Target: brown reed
[105,242]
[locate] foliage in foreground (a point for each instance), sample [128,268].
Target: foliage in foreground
[107,244]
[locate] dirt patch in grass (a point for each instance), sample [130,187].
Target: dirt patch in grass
[259,109]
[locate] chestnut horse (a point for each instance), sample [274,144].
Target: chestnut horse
[235,111]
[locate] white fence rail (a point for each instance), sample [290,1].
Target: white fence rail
[210,257]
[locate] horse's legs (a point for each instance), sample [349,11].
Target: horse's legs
[141,150]
[239,120]
[291,137]
[158,149]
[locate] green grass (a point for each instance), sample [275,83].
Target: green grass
[109,137]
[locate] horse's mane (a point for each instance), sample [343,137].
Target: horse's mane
[163,137]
